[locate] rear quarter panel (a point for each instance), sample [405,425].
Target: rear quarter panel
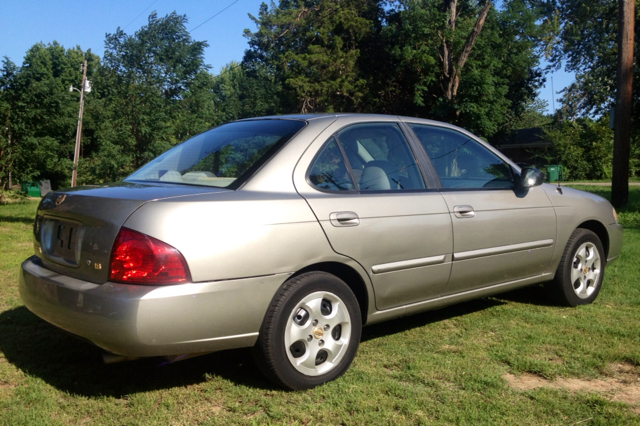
[236,235]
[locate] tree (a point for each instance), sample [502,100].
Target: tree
[312,47]
[583,37]
[464,63]
[622,119]
[534,115]
[7,76]
[453,64]
[452,60]
[589,38]
[39,114]
[150,82]
[242,92]
[583,147]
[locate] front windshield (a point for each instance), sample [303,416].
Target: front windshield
[223,155]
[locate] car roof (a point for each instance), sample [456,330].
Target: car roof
[306,117]
[351,115]
[351,118]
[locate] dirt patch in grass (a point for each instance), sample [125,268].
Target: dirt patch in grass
[450,349]
[622,385]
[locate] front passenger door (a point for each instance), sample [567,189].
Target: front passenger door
[499,235]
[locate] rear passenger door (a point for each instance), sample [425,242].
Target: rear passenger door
[370,197]
[499,235]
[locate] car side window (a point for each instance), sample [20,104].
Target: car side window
[329,171]
[462,162]
[380,157]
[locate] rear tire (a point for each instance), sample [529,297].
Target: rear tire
[581,270]
[310,333]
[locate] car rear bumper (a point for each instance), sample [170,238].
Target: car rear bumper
[139,321]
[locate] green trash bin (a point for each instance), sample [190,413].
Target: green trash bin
[554,172]
[30,189]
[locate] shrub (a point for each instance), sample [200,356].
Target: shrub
[12,196]
[583,147]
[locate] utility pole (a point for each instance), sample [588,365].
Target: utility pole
[76,153]
[622,117]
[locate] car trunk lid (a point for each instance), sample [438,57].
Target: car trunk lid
[75,229]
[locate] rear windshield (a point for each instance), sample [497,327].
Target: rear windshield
[222,157]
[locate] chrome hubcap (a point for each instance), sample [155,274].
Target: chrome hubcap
[317,333]
[586,269]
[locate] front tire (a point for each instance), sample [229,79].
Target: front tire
[310,333]
[581,270]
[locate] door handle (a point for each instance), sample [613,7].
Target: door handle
[464,212]
[344,219]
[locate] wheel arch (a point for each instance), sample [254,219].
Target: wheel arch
[350,276]
[601,231]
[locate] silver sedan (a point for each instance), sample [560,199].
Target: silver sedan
[288,234]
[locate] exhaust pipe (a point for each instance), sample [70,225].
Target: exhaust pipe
[109,358]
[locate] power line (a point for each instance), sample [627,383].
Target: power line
[148,7]
[192,29]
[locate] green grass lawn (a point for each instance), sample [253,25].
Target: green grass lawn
[512,359]
[631,179]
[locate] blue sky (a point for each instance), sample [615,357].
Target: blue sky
[556,81]
[85,23]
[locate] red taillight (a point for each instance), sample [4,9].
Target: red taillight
[139,259]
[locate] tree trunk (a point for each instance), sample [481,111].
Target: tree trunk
[451,68]
[622,118]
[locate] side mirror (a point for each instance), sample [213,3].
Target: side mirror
[530,177]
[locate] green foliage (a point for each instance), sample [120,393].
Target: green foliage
[6,158]
[40,114]
[534,115]
[244,91]
[584,148]
[12,196]
[152,89]
[413,67]
[313,48]
[197,107]
[585,40]
[373,57]
[154,92]
[498,80]
[161,57]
